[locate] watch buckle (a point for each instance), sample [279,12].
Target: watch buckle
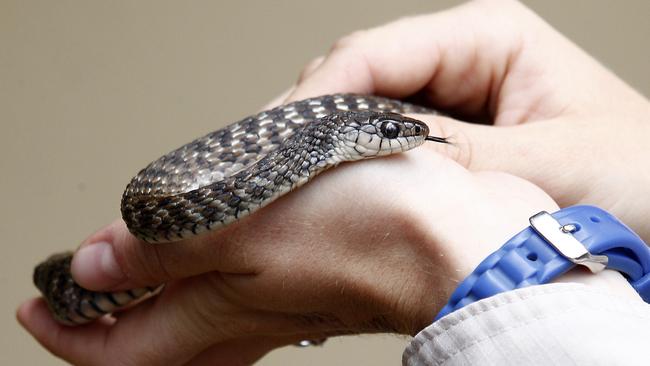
[561,238]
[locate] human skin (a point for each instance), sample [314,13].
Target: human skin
[578,131]
[378,245]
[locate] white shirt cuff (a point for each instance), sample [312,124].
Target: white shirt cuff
[563,323]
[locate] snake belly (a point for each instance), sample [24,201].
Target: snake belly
[229,173]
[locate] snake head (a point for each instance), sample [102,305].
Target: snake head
[370,134]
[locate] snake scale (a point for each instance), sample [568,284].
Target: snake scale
[229,173]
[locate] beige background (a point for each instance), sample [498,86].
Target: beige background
[90,91]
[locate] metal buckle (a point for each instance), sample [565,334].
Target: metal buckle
[561,238]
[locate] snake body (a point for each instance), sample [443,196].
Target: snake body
[228,174]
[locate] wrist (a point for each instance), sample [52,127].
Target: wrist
[489,209]
[608,280]
[552,245]
[492,209]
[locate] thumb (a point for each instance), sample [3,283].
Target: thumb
[112,258]
[545,152]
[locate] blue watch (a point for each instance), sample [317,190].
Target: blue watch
[549,247]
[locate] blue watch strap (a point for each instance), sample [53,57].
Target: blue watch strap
[530,259]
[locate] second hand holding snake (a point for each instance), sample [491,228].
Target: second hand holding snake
[230,173]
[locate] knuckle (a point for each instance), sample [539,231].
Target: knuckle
[140,262]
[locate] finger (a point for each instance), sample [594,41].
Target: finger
[479,147]
[168,331]
[533,151]
[114,259]
[190,321]
[193,315]
[79,345]
[306,72]
[456,66]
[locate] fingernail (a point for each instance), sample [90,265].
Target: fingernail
[94,266]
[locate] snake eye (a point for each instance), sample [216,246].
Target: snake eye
[418,129]
[390,130]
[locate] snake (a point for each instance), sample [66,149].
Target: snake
[230,173]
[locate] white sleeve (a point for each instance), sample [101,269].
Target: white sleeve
[555,324]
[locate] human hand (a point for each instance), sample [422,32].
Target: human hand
[287,273]
[565,122]
[375,246]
